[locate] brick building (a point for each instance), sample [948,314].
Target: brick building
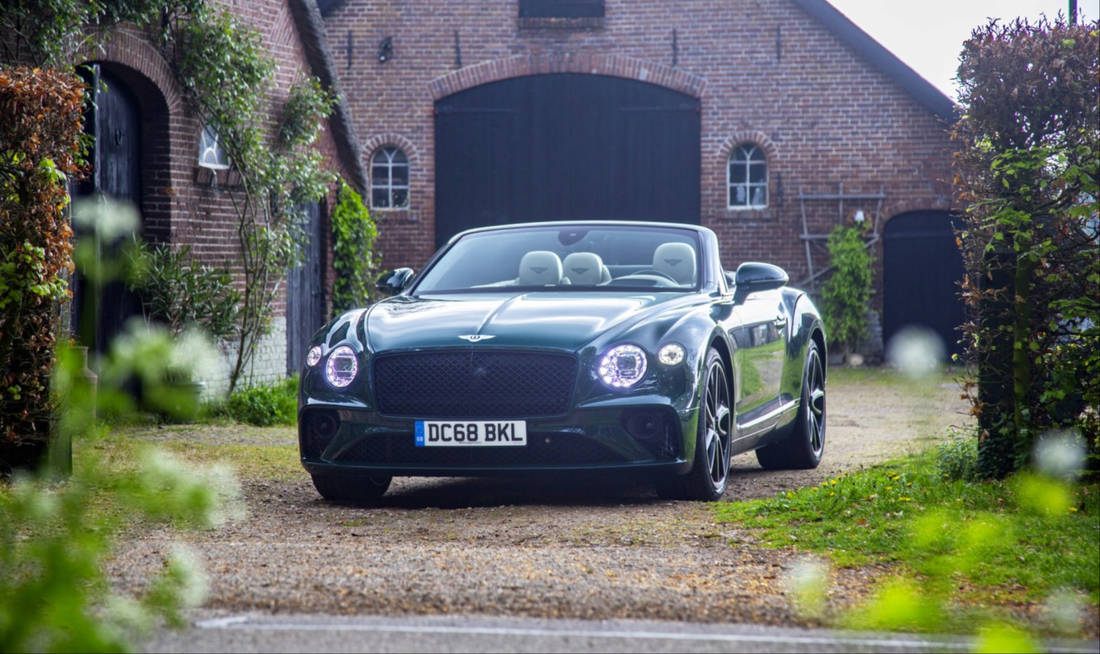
[768,122]
[150,150]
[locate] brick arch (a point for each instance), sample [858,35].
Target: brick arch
[132,49]
[568,62]
[381,140]
[771,150]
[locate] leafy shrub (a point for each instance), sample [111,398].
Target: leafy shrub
[353,255]
[39,147]
[846,293]
[957,459]
[1027,178]
[179,291]
[266,405]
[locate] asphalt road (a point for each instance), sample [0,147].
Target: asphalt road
[297,633]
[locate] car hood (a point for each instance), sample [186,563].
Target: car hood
[567,321]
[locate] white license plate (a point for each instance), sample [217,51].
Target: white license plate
[470,433]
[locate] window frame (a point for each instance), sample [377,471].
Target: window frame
[390,152]
[746,150]
[210,141]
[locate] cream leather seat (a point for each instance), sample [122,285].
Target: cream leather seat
[539,268]
[677,260]
[585,268]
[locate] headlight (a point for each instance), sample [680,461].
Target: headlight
[313,356]
[622,366]
[342,366]
[671,354]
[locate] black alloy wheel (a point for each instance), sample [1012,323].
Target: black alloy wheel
[710,470]
[803,448]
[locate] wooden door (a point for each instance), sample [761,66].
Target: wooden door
[564,147]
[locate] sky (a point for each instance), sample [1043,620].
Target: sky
[928,35]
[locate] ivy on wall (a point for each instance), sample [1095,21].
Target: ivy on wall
[227,77]
[354,257]
[847,292]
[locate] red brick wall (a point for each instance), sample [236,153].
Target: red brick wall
[823,115]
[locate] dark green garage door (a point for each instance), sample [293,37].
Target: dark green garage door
[922,270]
[561,147]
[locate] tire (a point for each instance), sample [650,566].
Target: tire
[711,464]
[802,448]
[351,488]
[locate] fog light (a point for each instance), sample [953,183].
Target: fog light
[319,429]
[671,354]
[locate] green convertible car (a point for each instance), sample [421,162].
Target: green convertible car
[564,347]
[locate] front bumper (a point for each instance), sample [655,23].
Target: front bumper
[643,434]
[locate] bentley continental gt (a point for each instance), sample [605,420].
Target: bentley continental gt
[565,347]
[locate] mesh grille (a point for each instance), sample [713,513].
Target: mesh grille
[473,383]
[541,450]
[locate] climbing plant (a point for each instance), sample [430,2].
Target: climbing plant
[220,63]
[847,292]
[354,257]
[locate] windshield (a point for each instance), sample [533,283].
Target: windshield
[570,257]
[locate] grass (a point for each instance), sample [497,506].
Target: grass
[1004,541]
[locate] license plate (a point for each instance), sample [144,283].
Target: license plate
[470,433]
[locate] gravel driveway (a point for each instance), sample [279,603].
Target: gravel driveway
[574,548]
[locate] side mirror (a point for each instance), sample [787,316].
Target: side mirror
[395,281]
[753,276]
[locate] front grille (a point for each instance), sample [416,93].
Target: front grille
[474,383]
[541,450]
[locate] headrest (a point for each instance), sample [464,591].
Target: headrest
[677,260]
[539,268]
[584,268]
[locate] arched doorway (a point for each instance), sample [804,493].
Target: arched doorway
[114,120]
[922,269]
[565,146]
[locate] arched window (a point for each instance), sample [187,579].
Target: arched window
[747,178]
[389,179]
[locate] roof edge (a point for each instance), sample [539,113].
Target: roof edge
[866,46]
[311,27]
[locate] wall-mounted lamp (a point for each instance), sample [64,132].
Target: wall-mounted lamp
[859,217]
[385,49]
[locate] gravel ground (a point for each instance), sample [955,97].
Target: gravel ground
[575,548]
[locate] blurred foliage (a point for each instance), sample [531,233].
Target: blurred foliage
[846,295]
[962,556]
[58,524]
[39,149]
[354,257]
[1028,172]
[265,405]
[54,535]
[178,291]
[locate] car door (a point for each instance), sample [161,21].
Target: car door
[760,355]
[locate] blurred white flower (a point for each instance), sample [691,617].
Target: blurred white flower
[916,351]
[1064,610]
[807,582]
[1060,454]
[108,218]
